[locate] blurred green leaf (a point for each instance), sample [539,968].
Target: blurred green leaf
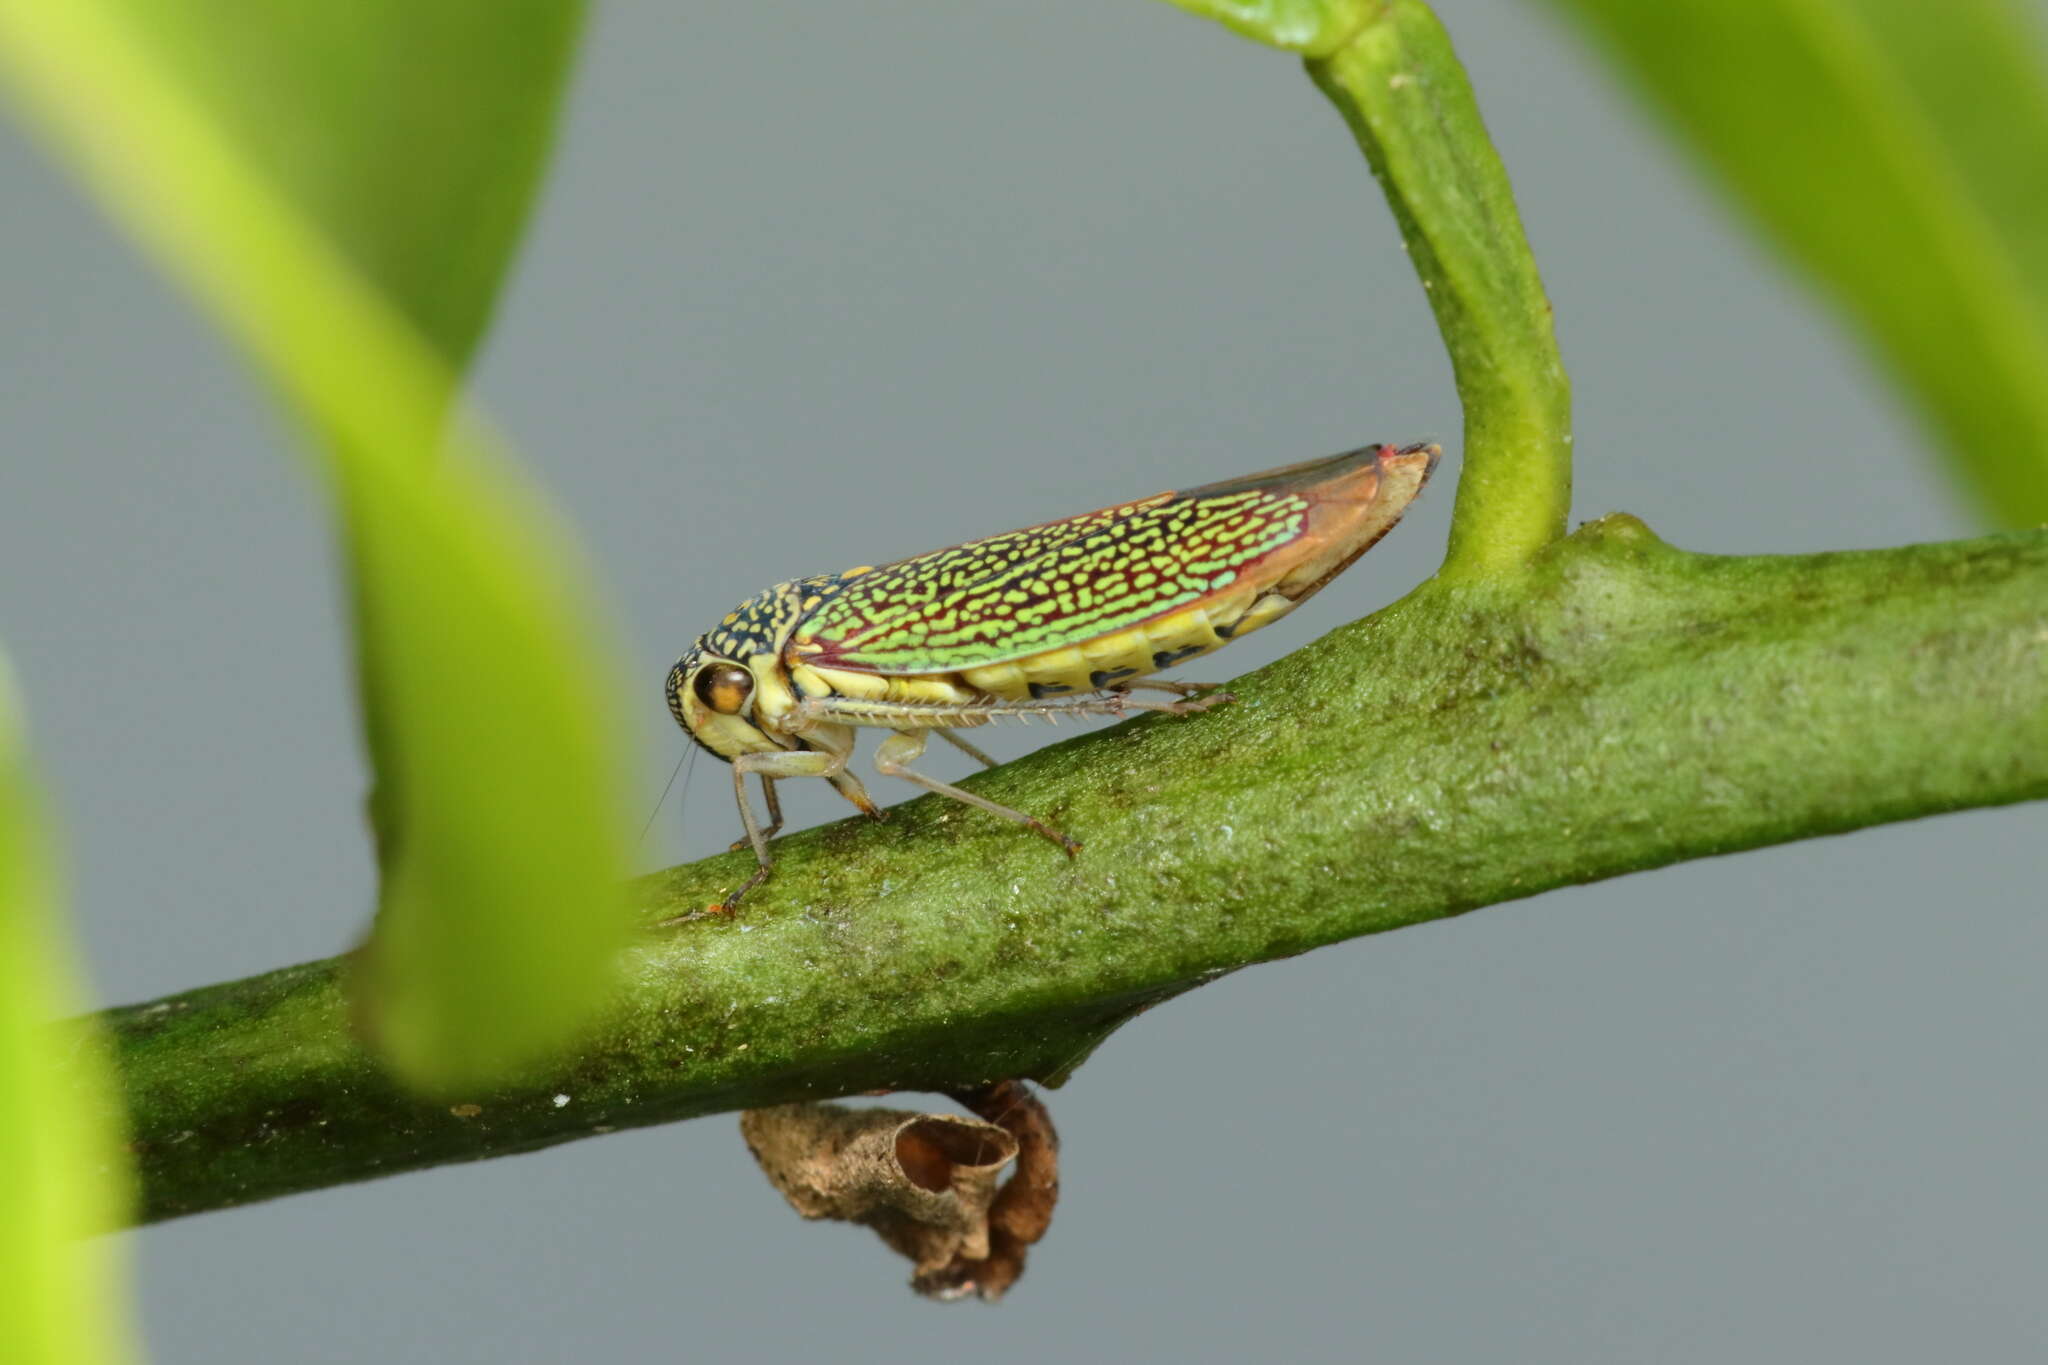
[1312,27]
[1898,151]
[489,687]
[412,132]
[63,1173]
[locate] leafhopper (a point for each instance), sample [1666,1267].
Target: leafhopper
[1070,618]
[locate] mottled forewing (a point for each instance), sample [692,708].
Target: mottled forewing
[1051,586]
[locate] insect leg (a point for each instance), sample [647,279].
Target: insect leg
[1179,689]
[972,751]
[934,715]
[789,763]
[1186,706]
[1115,701]
[774,815]
[900,748]
[837,739]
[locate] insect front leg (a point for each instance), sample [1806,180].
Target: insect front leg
[788,763]
[774,814]
[903,747]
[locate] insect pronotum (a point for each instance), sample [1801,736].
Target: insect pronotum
[1064,619]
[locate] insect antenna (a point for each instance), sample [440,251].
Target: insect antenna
[683,766]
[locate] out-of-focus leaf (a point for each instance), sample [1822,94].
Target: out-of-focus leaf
[1313,27]
[412,132]
[63,1173]
[1898,151]
[488,684]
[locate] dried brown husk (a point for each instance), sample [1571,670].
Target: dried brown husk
[926,1183]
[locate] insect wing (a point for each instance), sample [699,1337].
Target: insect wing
[1046,587]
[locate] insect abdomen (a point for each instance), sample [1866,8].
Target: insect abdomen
[1126,655]
[914,689]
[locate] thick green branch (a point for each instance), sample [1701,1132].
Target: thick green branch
[1626,706]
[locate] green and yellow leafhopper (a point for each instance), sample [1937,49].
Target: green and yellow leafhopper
[1064,619]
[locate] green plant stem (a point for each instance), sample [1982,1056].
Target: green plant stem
[1401,89]
[1626,705]
[1389,67]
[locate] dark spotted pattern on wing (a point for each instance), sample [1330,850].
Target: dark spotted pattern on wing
[1049,586]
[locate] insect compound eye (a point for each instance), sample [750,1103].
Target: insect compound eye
[725,688]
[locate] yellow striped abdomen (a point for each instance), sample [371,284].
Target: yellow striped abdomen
[1125,655]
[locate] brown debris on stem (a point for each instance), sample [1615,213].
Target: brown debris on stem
[926,1183]
[1022,1211]
[923,1182]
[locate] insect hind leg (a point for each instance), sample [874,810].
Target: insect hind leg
[904,716]
[1194,696]
[904,746]
[973,751]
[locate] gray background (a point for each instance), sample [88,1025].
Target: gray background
[839,283]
